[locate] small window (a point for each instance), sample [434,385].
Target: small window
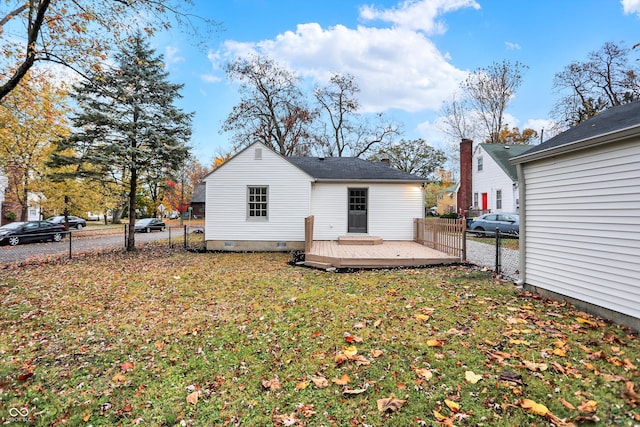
[475,200]
[257,202]
[498,199]
[479,164]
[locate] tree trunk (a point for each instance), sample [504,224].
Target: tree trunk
[131,238]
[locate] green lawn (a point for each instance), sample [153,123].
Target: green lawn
[163,338]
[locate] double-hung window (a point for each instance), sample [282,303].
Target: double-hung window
[257,202]
[498,199]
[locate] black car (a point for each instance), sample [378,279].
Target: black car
[31,231]
[149,224]
[74,221]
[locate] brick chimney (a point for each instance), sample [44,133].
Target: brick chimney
[466,169]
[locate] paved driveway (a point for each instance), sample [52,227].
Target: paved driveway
[80,243]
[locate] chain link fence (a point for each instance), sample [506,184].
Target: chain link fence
[92,240]
[498,252]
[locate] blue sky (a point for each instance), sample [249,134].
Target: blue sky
[407,56]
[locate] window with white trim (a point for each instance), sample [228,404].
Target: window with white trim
[480,164]
[498,199]
[257,202]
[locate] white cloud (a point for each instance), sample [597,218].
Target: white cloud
[512,46]
[396,67]
[171,56]
[210,78]
[631,6]
[418,15]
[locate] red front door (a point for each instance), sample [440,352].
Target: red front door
[485,202]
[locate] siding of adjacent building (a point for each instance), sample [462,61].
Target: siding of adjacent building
[582,229]
[391,209]
[226,197]
[491,179]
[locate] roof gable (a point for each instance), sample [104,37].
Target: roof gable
[502,153]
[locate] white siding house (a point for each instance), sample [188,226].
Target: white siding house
[258,200]
[4,183]
[494,178]
[580,215]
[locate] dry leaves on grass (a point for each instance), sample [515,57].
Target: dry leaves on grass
[390,404]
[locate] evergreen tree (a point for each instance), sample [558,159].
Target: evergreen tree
[127,127]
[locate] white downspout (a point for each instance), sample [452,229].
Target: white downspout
[523,224]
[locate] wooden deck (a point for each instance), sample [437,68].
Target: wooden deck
[330,254]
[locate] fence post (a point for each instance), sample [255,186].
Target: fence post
[498,266]
[462,224]
[70,237]
[125,234]
[185,236]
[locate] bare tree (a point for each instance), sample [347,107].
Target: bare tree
[606,79]
[272,108]
[412,156]
[489,90]
[344,131]
[78,33]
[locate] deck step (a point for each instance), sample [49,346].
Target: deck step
[360,240]
[320,265]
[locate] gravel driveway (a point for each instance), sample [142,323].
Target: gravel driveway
[485,255]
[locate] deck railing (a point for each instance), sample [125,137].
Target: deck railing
[308,233]
[442,234]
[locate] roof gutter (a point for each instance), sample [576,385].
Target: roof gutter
[581,144]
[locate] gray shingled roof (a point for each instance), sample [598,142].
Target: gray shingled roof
[611,120]
[350,169]
[501,153]
[199,194]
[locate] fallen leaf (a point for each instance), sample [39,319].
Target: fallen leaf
[519,342]
[272,384]
[421,317]
[127,366]
[390,404]
[341,358]
[343,380]
[320,382]
[302,385]
[376,353]
[118,379]
[350,351]
[423,373]
[192,398]
[588,406]
[352,392]
[351,338]
[377,323]
[436,343]
[534,408]
[535,367]
[471,377]
[438,416]
[453,406]
[567,405]
[630,393]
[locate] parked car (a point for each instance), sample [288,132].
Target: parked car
[31,231]
[433,211]
[485,225]
[149,224]
[74,221]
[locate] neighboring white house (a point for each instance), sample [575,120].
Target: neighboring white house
[580,215]
[494,178]
[4,183]
[258,200]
